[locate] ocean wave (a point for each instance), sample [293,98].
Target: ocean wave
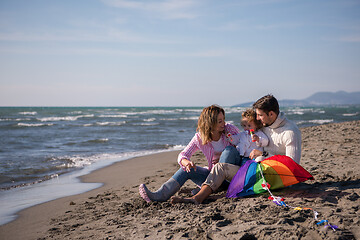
[66,118]
[191,110]
[109,123]
[100,140]
[153,112]
[350,114]
[82,161]
[169,119]
[27,113]
[190,118]
[14,119]
[34,124]
[234,110]
[316,121]
[302,111]
[322,121]
[113,116]
[149,120]
[146,124]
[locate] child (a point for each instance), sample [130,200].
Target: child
[252,137]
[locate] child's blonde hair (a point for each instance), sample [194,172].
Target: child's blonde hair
[250,114]
[207,122]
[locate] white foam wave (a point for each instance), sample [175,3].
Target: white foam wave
[100,140]
[153,112]
[149,120]
[14,120]
[317,121]
[108,123]
[146,124]
[191,110]
[190,118]
[322,121]
[296,113]
[34,124]
[350,114]
[27,113]
[302,111]
[234,110]
[169,119]
[66,118]
[113,116]
[82,161]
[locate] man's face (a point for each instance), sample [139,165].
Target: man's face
[266,119]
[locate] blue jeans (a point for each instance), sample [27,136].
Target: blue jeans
[198,176]
[244,159]
[231,155]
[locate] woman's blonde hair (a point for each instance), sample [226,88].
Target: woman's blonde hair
[207,122]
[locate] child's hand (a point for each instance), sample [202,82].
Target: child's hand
[255,138]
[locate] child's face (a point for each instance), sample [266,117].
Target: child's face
[247,125]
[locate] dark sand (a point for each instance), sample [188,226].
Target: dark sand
[115,211]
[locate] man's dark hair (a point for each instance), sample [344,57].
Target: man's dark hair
[267,103]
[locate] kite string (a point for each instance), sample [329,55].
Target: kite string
[280,202]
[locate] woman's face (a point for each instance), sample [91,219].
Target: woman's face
[220,124]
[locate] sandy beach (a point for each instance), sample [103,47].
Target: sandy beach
[330,153]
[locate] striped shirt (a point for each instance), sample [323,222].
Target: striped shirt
[208,150]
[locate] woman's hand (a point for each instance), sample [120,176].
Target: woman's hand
[255,153]
[215,161]
[188,165]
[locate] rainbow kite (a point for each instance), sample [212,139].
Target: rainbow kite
[279,171]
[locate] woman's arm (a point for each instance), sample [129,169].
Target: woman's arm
[189,150]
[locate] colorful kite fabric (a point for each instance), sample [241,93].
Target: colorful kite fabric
[279,171]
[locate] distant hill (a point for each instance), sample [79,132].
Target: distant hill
[317,99]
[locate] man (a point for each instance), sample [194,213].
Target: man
[284,139]
[284,136]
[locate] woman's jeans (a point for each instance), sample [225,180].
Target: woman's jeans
[229,155]
[198,176]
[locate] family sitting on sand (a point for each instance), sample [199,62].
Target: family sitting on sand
[226,148]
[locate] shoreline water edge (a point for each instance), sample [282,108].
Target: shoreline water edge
[14,200]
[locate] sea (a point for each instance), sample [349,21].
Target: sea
[44,150]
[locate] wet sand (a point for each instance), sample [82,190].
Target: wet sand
[115,211]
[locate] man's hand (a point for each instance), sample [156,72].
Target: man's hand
[255,153]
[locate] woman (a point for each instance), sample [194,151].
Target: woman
[211,139]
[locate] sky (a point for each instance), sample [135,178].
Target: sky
[175,52]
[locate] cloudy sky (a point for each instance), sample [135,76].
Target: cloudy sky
[175,52]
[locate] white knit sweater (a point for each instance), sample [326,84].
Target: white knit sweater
[284,139]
